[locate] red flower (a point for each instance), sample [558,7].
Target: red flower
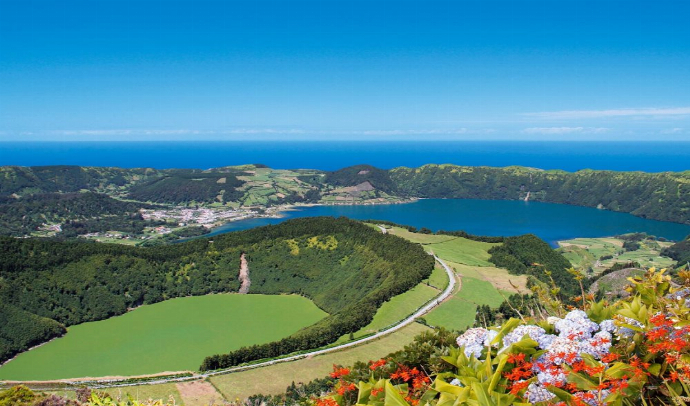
[377,364]
[339,372]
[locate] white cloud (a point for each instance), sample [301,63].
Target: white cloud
[564,130]
[411,132]
[135,132]
[630,112]
[676,130]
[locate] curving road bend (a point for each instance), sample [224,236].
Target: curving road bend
[410,319]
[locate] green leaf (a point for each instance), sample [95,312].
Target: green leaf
[507,328]
[654,369]
[364,391]
[393,397]
[618,370]
[581,381]
[482,395]
[442,386]
[499,372]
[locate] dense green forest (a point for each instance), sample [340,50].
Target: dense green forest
[529,255]
[661,196]
[20,330]
[347,269]
[679,251]
[80,212]
[354,175]
[187,186]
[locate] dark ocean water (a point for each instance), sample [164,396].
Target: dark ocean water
[550,222]
[327,155]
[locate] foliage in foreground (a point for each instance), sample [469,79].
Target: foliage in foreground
[632,352]
[23,396]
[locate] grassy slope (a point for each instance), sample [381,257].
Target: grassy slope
[463,251]
[583,253]
[276,378]
[479,281]
[500,278]
[146,392]
[147,340]
[438,278]
[397,309]
[418,237]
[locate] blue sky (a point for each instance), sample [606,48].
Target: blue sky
[558,70]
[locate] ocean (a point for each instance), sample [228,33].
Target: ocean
[332,155]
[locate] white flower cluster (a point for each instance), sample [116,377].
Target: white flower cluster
[681,294]
[624,332]
[577,334]
[536,333]
[475,339]
[537,393]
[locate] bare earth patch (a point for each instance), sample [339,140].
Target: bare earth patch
[199,393]
[244,275]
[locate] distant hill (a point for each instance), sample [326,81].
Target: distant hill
[660,196]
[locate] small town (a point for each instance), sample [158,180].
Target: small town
[202,216]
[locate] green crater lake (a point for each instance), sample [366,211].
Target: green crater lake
[173,335]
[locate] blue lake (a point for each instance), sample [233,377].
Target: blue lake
[551,222]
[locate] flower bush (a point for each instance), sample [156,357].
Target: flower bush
[631,352]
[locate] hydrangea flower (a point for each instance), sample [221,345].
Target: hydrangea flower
[537,393]
[552,376]
[576,324]
[597,346]
[536,333]
[608,326]
[625,332]
[562,350]
[474,340]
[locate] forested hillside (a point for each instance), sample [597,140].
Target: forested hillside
[355,175]
[662,196]
[23,180]
[529,255]
[347,268]
[184,186]
[679,251]
[73,210]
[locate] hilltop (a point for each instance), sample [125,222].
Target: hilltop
[138,205]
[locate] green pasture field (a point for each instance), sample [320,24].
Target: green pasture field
[462,250]
[419,237]
[397,309]
[438,278]
[454,314]
[480,292]
[584,253]
[173,335]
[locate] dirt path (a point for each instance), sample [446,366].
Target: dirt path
[199,393]
[244,275]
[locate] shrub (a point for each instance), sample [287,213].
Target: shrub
[632,352]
